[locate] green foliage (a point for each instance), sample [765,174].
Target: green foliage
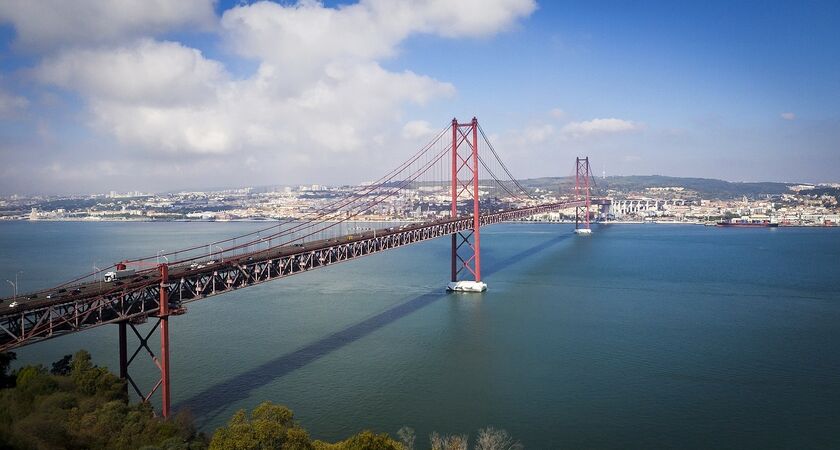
[85,409]
[62,366]
[822,190]
[77,405]
[368,440]
[269,426]
[6,380]
[29,375]
[297,439]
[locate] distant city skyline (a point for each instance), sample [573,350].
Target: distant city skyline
[158,96]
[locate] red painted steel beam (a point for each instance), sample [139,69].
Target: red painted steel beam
[164,339]
[454,208]
[476,211]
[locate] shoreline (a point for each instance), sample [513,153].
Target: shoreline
[147,220]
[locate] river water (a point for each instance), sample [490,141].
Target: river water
[638,336]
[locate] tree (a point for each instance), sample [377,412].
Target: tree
[84,409]
[269,426]
[62,366]
[6,380]
[452,442]
[492,439]
[368,440]
[297,439]
[407,437]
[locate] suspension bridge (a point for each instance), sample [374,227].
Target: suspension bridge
[477,185]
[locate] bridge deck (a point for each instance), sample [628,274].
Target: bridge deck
[75,308]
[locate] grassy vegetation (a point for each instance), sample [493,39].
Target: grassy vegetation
[77,405]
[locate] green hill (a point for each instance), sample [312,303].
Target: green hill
[705,187]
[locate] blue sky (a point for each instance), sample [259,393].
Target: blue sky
[166,94]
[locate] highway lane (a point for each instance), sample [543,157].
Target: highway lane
[150,276]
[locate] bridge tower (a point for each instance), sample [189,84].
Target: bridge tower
[161,362]
[466,246]
[582,194]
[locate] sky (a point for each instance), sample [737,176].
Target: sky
[156,95]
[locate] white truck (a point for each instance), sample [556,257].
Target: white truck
[117,275]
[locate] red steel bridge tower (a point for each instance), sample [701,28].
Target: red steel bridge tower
[466,245]
[582,194]
[161,360]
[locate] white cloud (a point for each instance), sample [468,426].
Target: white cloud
[165,97]
[318,94]
[416,129]
[142,73]
[45,24]
[11,104]
[157,95]
[599,127]
[295,42]
[537,134]
[788,116]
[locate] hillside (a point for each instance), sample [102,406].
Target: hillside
[705,187]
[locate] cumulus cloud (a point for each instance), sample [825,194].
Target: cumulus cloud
[144,73]
[45,24]
[599,127]
[318,91]
[163,96]
[788,116]
[295,42]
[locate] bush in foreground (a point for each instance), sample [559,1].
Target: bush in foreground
[81,406]
[77,405]
[271,426]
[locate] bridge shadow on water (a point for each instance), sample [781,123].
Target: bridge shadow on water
[208,404]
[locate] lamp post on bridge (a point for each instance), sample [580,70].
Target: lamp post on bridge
[15,286]
[210,250]
[96,275]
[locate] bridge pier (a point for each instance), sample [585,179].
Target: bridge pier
[123,353]
[466,246]
[163,362]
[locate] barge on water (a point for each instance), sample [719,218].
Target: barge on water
[747,223]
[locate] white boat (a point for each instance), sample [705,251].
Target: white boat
[466,286]
[584,231]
